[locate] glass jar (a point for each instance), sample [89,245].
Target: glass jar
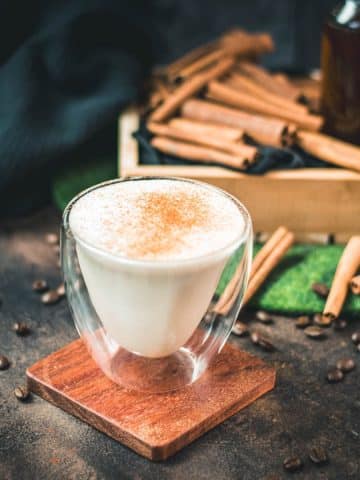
[341,72]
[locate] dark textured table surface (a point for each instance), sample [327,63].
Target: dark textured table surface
[39,441]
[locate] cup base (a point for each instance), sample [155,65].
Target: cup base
[135,372]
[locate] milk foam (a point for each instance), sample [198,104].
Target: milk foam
[156,219]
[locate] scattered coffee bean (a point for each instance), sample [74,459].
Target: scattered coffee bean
[61,290]
[240,329]
[21,329]
[40,286]
[320,289]
[339,324]
[262,342]
[303,321]
[345,365]
[314,332]
[264,317]
[318,455]
[322,320]
[334,375]
[22,393]
[292,464]
[52,238]
[355,337]
[4,362]
[50,298]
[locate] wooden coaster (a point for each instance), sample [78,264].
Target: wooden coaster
[154,425]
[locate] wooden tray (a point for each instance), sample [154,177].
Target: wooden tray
[154,425]
[312,200]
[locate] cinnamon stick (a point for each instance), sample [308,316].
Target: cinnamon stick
[193,153]
[200,64]
[267,248]
[329,149]
[355,285]
[241,43]
[221,131]
[244,151]
[229,96]
[346,269]
[272,83]
[248,85]
[264,130]
[279,77]
[234,43]
[189,88]
[232,289]
[269,263]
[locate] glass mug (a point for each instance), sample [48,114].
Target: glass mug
[154,325]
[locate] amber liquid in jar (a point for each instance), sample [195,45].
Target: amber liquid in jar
[341,72]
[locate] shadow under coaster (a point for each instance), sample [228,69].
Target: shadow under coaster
[154,425]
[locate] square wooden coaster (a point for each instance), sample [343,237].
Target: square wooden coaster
[154,425]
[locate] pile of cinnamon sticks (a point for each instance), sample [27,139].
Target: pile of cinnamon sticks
[204,106]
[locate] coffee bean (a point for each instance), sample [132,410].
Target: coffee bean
[314,332]
[61,290]
[4,362]
[339,324]
[22,393]
[322,320]
[320,289]
[262,342]
[51,238]
[264,317]
[51,297]
[240,329]
[355,337]
[334,375]
[21,329]
[292,464]
[40,286]
[345,365]
[303,321]
[318,455]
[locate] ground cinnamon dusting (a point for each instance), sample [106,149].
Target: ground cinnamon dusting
[156,219]
[166,219]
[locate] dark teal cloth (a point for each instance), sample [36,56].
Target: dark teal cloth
[67,68]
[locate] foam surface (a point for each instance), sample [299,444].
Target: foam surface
[156,219]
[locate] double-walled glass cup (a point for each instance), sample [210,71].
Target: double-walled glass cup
[154,325]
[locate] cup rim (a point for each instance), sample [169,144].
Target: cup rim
[242,238]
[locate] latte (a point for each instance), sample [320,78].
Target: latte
[151,252]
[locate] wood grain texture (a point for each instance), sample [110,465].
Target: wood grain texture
[154,425]
[301,199]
